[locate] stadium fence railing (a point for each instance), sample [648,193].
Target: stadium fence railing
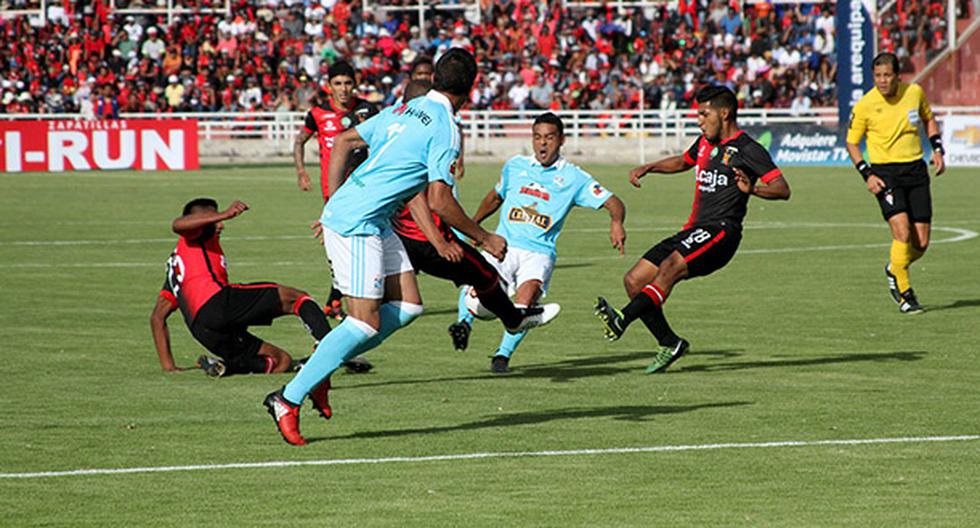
[651,129]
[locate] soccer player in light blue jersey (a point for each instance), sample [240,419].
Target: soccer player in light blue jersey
[535,195]
[412,148]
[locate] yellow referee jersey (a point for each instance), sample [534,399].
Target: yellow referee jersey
[892,124]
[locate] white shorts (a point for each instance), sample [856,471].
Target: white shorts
[361,262]
[520,266]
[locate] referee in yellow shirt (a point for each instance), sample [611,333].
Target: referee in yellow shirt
[891,115]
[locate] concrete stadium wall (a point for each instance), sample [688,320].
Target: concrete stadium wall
[625,150]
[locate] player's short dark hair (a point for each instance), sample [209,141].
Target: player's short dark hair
[420,61]
[549,118]
[719,97]
[415,89]
[341,68]
[455,72]
[886,57]
[199,202]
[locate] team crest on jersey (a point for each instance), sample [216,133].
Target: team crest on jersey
[536,190]
[714,152]
[345,122]
[726,158]
[529,215]
[559,181]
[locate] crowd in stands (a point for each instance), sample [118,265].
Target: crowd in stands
[271,55]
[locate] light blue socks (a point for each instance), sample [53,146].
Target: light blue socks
[350,338]
[330,354]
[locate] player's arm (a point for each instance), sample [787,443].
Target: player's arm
[422,215]
[343,145]
[161,334]
[856,129]
[774,189]
[936,141]
[299,146]
[874,183]
[617,215]
[491,202]
[189,226]
[460,163]
[444,204]
[671,165]
[756,174]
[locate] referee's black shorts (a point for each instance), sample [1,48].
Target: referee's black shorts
[705,248]
[473,270]
[907,190]
[221,325]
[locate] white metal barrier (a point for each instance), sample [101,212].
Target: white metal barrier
[653,130]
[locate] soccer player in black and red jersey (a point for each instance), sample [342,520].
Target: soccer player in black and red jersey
[729,167]
[218,312]
[336,111]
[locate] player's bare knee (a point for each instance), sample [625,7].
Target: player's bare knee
[288,296]
[633,283]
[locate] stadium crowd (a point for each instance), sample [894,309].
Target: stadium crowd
[270,55]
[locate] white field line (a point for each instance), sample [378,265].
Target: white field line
[750,226]
[960,236]
[477,456]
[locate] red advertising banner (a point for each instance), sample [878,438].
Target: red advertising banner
[74,145]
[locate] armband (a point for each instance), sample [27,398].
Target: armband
[864,168]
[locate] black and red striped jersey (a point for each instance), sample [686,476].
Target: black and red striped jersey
[196,270]
[716,196]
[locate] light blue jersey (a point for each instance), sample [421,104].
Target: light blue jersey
[537,200]
[408,145]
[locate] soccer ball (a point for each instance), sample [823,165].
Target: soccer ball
[475,307]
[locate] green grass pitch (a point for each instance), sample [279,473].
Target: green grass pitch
[795,340]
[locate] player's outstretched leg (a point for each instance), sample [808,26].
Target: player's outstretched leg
[333,350]
[459,331]
[612,319]
[499,364]
[667,355]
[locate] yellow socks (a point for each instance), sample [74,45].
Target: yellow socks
[901,257]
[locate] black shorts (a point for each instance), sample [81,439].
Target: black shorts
[705,248]
[907,190]
[473,270]
[221,325]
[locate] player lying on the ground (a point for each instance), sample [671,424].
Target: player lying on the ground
[411,147]
[435,249]
[537,193]
[729,167]
[218,312]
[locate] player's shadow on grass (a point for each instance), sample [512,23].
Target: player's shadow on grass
[559,372]
[575,265]
[804,362]
[600,365]
[962,303]
[628,413]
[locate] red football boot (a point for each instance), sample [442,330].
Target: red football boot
[320,396]
[286,416]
